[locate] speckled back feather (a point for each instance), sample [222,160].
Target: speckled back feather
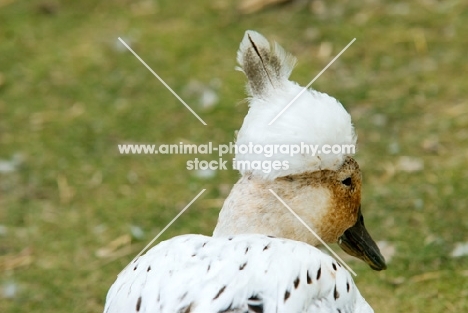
[244,273]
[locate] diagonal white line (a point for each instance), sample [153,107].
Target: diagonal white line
[162,81]
[167,226]
[313,233]
[311,82]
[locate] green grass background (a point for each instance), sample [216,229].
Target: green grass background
[69,94]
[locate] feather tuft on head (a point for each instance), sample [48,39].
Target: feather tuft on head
[314,120]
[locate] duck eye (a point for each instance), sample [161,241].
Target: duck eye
[347,181]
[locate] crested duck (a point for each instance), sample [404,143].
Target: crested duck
[260,258]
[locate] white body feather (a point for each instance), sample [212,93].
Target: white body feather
[240,274]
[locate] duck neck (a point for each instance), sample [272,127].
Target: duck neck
[251,208]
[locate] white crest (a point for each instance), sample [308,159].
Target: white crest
[314,118]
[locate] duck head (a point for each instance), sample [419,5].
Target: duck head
[328,201]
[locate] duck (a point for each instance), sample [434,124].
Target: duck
[261,258]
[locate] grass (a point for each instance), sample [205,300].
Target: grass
[69,95]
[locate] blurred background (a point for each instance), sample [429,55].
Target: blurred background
[74,212]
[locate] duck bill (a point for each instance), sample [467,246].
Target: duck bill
[356,241]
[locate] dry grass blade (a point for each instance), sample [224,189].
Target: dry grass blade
[11,262]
